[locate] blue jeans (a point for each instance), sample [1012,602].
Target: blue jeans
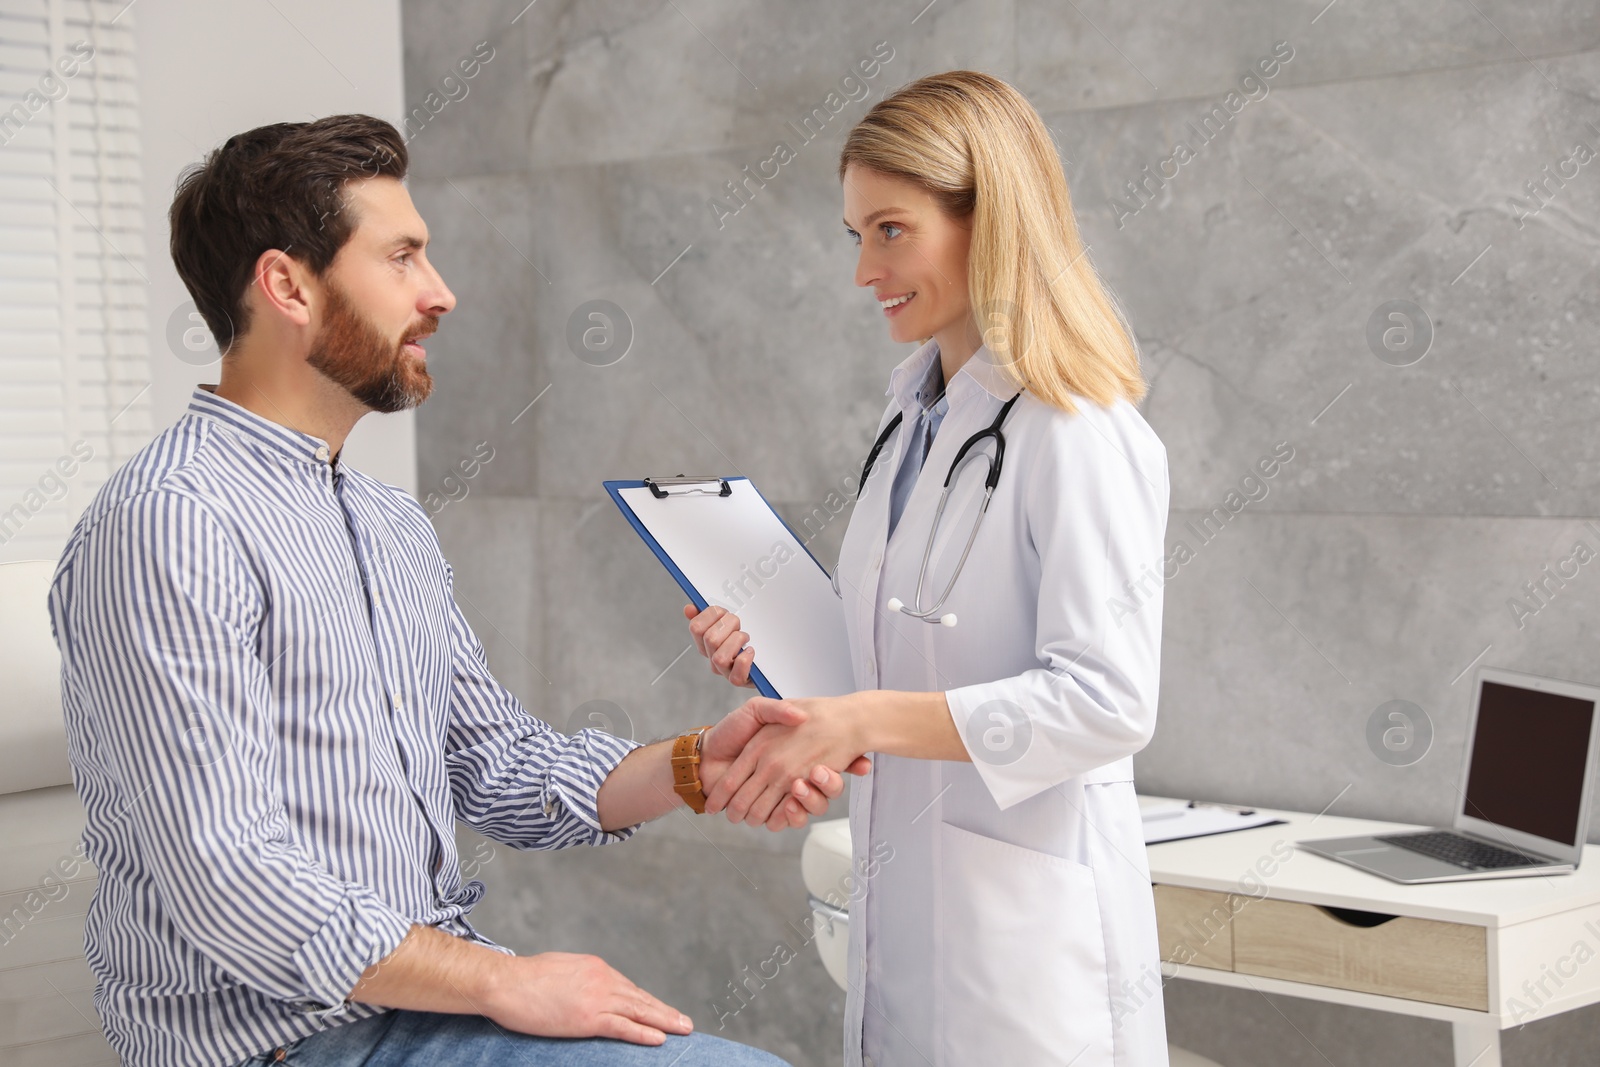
[398,1038]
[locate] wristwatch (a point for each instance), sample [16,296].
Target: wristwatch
[686,769]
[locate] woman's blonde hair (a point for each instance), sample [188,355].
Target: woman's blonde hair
[981,150]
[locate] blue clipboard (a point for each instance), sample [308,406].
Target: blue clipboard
[710,486]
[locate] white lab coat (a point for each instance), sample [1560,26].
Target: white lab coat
[1008,918]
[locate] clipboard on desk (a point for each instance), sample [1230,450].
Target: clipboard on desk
[1166,819]
[723,544]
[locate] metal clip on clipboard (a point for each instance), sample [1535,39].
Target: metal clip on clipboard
[661,488]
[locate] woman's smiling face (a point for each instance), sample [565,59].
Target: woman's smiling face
[913,257]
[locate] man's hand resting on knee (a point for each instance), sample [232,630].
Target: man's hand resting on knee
[553,994]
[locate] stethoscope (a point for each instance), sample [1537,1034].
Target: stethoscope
[966,455]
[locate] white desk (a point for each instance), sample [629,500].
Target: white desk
[1246,909]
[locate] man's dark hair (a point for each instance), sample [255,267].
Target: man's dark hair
[278,186]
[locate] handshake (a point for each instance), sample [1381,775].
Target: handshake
[772,762]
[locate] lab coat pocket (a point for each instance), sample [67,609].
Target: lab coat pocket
[1021,959]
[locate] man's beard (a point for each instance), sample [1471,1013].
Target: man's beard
[354,354]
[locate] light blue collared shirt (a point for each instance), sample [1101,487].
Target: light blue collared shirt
[921,430]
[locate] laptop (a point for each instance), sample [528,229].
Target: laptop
[1524,810]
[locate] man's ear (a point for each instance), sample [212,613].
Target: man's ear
[281,287]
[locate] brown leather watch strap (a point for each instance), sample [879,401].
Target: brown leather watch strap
[686,769]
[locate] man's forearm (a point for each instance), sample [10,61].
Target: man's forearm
[432,971]
[638,789]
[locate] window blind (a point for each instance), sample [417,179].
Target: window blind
[74,360]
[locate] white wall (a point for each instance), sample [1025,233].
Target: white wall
[211,68]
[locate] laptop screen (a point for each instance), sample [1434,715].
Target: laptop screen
[1528,758]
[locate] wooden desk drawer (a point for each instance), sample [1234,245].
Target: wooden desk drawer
[1195,926]
[1417,959]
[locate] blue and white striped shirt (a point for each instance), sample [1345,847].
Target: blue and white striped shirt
[276,713]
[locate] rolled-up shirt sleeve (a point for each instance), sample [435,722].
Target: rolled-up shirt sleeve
[160,639]
[514,777]
[1096,512]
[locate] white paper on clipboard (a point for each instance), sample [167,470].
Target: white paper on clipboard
[737,553]
[1176,820]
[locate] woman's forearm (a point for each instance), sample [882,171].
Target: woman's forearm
[914,725]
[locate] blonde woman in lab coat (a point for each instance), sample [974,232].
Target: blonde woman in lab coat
[1008,916]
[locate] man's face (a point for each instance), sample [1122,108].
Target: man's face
[381,297]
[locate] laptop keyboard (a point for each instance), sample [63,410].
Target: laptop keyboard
[1463,851]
